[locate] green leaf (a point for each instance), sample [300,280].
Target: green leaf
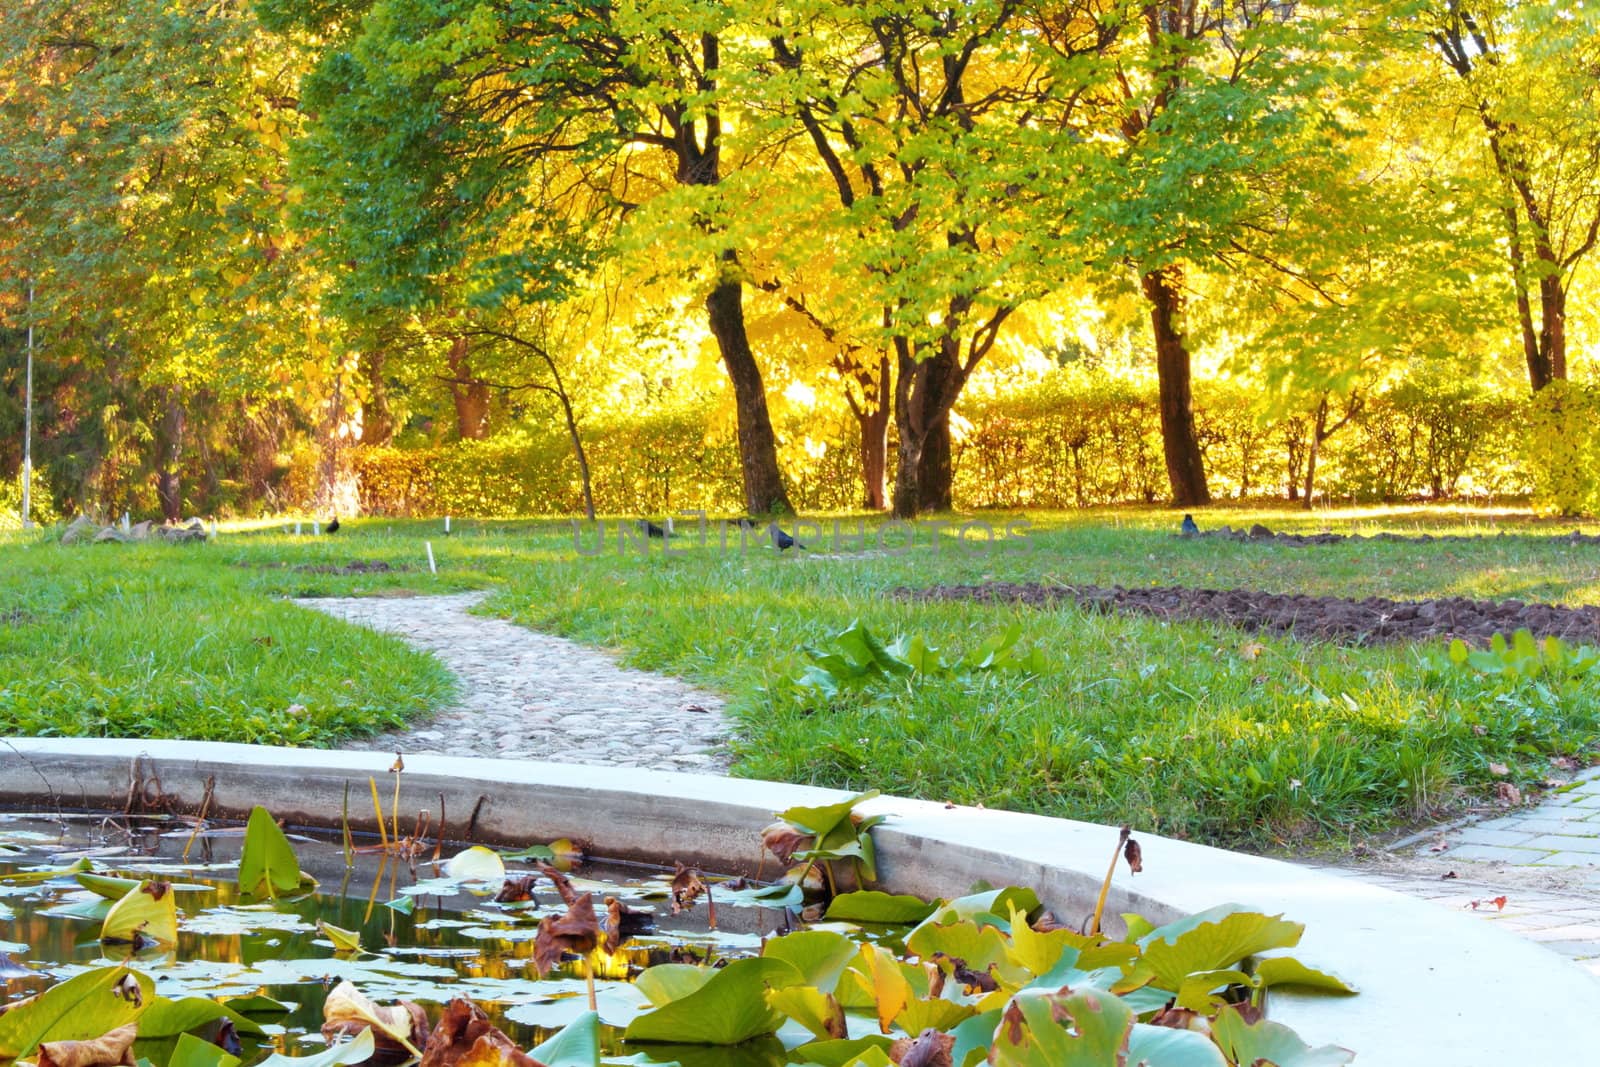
[819,955]
[576,1045]
[343,940]
[164,1017]
[1164,1046]
[813,1009]
[730,1007]
[840,1052]
[822,820]
[1271,1042]
[79,1009]
[267,864]
[192,1051]
[1287,971]
[111,888]
[936,1012]
[1211,940]
[356,1051]
[666,982]
[148,910]
[872,906]
[1030,1034]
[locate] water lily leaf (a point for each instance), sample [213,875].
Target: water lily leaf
[839,1053]
[1214,943]
[979,946]
[192,1051]
[990,908]
[813,1009]
[560,853]
[1037,952]
[1197,992]
[1087,1028]
[729,1008]
[973,1038]
[667,982]
[1164,1046]
[822,820]
[36,877]
[1271,1042]
[164,1017]
[347,1006]
[1287,971]
[258,1004]
[83,1007]
[343,940]
[873,906]
[940,1014]
[358,1050]
[766,896]
[576,1045]
[267,864]
[10,968]
[104,884]
[819,955]
[872,1057]
[880,972]
[147,912]
[476,864]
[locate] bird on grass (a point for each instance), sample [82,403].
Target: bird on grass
[333,525]
[1189,529]
[650,529]
[783,541]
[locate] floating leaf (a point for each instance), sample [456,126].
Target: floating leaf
[476,864]
[1287,971]
[1087,1028]
[192,1051]
[348,1008]
[146,914]
[83,1007]
[872,906]
[730,1007]
[164,1017]
[819,955]
[1163,1046]
[343,940]
[813,1009]
[267,864]
[1270,1042]
[576,1045]
[352,1052]
[1217,938]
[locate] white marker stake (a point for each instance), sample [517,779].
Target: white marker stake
[447,526]
[124,522]
[431,568]
[316,529]
[297,529]
[213,529]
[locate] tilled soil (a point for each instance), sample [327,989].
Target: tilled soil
[1259,534]
[1374,620]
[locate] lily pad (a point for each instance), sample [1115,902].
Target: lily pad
[729,1007]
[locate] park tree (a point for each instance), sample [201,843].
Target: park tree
[1527,76]
[444,129]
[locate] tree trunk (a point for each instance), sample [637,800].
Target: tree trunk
[925,391]
[169,451]
[1319,423]
[934,489]
[377,420]
[758,447]
[1179,443]
[472,399]
[873,422]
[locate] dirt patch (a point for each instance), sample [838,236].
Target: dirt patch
[15,617]
[355,566]
[1374,620]
[1259,534]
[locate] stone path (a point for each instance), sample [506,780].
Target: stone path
[529,695]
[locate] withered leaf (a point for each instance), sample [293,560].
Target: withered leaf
[1047,922]
[578,931]
[398,765]
[686,888]
[783,841]
[156,890]
[113,1049]
[1500,770]
[464,1037]
[1249,1012]
[1507,793]
[931,1048]
[1175,1017]
[516,890]
[348,1011]
[563,884]
[1132,854]
[974,981]
[623,922]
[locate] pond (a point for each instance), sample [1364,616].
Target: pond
[429,938]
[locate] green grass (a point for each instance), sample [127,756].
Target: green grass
[1182,729]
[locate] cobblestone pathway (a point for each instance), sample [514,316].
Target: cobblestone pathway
[533,696]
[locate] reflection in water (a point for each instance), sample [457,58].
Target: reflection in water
[425,938]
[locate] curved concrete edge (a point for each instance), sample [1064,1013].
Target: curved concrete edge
[1436,987]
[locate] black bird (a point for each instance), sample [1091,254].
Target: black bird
[333,525]
[1189,528]
[650,529]
[783,541]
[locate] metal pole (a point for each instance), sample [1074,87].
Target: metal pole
[27,422]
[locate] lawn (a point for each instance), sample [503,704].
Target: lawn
[1195,730]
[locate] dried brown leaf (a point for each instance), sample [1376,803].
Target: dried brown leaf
[783,841]
[563,884]
[1508,794]
[112,1049]
[464,1037]
[1499,769]
[516,890]
[931,1048]
[686,888]
[578,931]
[1133,855]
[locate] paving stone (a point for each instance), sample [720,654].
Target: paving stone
[527,694]
[1569,859]
[1565,843]
[1497,853]
[1482,835]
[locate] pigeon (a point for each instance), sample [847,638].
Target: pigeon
[650,529]
[783,541]
[333,525]
[1189,528]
